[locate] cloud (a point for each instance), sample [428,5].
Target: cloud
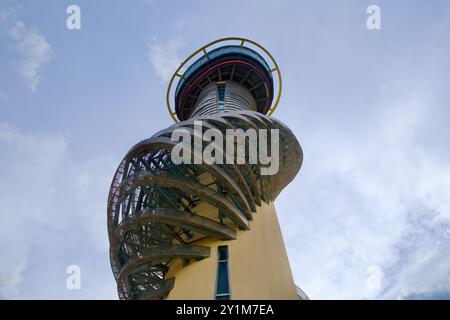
[11,274]
[54,215]
[30,166]
[165,56]
[33,49]
[374,193]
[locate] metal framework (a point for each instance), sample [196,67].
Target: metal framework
[154,211]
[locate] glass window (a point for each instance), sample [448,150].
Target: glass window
[223,285]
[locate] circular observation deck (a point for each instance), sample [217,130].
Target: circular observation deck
[227,63]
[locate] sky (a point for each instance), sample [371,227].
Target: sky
[367,217]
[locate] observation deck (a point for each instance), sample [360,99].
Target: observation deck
[159,211]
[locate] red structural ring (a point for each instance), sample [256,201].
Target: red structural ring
[203,75]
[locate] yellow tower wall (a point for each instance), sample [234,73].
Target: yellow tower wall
[258,264]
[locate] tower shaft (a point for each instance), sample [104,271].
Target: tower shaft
[258,265]
[225,96]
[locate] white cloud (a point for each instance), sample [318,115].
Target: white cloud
[54,214]
[165,56]
[33,49]
[11,274]
[373,194]
[30,167]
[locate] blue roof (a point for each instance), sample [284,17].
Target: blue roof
[216,54]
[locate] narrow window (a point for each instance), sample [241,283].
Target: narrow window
[223,285]
[221,96]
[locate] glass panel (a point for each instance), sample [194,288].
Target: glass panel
[223,253]
[222,278]
[221,98]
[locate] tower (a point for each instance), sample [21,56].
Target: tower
[202,229]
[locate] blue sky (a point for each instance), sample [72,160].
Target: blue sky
[370,109]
